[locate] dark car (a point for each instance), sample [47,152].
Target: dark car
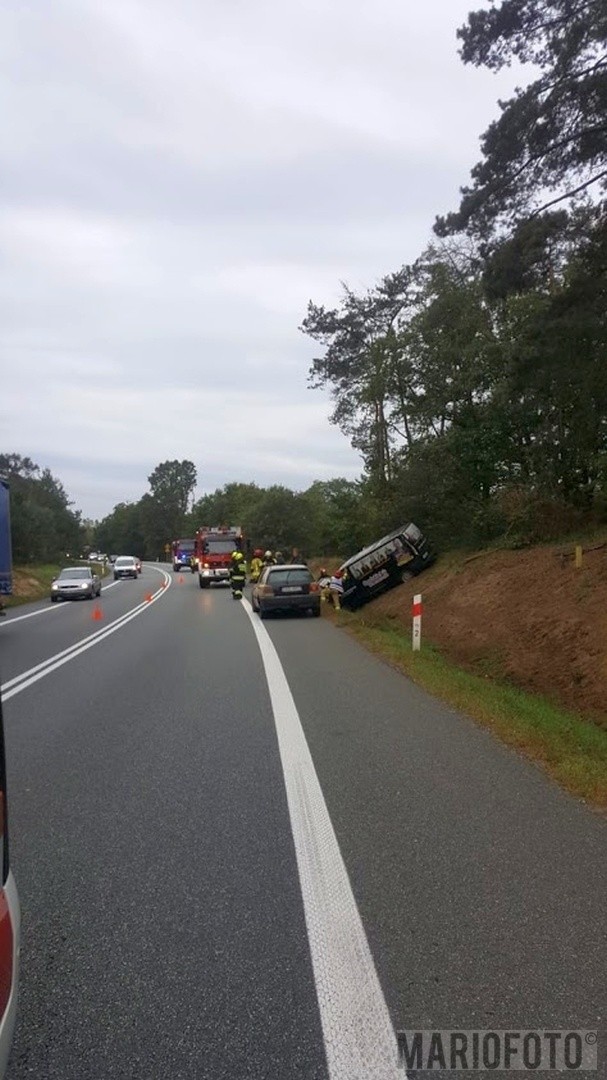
[286,588]
[125,566]
[75,582]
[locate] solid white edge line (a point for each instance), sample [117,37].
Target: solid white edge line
[46,610]
[19,618]
[28,678]
[360,1042]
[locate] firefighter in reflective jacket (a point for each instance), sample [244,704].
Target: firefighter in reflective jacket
[238,574]
[256,565]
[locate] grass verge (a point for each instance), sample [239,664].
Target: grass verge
[572,750]
[34,582]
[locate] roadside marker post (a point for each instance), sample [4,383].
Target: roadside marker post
[416,612]
[578,556]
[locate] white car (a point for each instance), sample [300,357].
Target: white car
[125,566]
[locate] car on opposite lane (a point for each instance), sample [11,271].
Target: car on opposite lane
[125,566]
[286,588]
[75,582]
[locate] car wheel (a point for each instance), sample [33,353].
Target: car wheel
[263,614]
[54,599]
[315,612]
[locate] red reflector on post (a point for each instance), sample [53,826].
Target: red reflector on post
[416,609]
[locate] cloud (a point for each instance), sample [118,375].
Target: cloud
[178,179]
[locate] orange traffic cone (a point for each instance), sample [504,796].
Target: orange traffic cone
[148,596]
[180,579]
[97,613]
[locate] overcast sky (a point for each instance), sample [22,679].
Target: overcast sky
[179,178]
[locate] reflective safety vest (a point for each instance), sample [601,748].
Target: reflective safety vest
[256,568]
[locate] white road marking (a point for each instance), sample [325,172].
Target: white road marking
[41,611]
[359,1039]
[28,678]
[45,610]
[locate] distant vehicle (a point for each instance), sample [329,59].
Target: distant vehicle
[94,557]
[288,587]
[184,554]
[214,548]
[10,926]
[75,582]
[6,562]
[125,566]
[395,558]
[138,564]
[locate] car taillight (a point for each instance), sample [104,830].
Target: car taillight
[265,590]
[314,586]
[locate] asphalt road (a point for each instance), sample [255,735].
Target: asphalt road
[185,913]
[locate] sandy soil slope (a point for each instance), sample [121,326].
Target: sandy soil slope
[528,616]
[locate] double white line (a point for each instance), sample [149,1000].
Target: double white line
[28,678]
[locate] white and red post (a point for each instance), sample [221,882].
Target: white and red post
[416,612]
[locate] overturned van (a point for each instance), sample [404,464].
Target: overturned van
[395,558]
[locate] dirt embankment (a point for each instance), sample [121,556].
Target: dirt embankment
[530,617]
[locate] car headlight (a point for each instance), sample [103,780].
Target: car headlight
[54,585]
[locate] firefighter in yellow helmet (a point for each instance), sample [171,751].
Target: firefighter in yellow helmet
[238,574]
[256,565]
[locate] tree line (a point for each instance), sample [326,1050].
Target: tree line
[474,380]
[44,527]
[326,518]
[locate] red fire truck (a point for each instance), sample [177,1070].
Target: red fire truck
[214,547]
